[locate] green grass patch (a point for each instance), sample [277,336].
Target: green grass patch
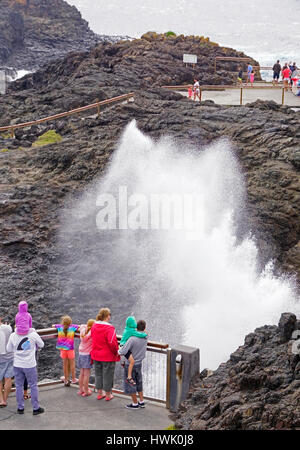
[5,135]
[4,150]
[171,427]
[50,137]
[170,33]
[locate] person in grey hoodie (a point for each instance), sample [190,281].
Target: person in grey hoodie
[6,364]
[137,346]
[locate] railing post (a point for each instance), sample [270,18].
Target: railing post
[282,101]
[98,107]
[168,380]
[200,95]
[241,96]
[12,132]
[184,365]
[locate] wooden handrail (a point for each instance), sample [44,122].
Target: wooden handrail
[220,86]
[51,333]
[67,113]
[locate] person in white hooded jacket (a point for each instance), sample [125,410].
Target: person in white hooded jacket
[24,347]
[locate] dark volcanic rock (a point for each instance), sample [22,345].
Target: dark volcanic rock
[257,389]
[32,32]
[110,68]
[37,183]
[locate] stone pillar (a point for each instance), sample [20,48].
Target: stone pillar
[184,364]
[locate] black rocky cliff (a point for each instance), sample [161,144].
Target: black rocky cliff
[257,389]
[32,32]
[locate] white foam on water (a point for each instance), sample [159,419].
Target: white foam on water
[202,288]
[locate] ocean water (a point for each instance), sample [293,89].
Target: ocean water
[267,30]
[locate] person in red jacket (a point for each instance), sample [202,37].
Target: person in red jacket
[104,353]
[286,76]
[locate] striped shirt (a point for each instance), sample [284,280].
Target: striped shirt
[66,342]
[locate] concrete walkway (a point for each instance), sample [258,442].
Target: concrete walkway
[232,96]
[65,410]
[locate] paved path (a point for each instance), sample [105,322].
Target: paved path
[65,410]
[232,96]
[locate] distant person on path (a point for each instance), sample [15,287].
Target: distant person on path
[196,89]
[276,72]
[24,348]
[6,364]
[138,348]
[240,76]
[286,76]
[129,331]
[190,92]
[293,68]
[249,71]
[84,359]
[252,75]
[104,353]
[65,343]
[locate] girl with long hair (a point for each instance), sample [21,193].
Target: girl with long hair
[65,343]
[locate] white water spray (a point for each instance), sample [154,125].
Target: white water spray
[201,288]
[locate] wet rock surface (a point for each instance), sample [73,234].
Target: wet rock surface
[37,184]
[257,389]
[32,32]
[112,69]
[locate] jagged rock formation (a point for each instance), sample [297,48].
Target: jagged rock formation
[38,182]
[155,59]
[32,32]
[257,389]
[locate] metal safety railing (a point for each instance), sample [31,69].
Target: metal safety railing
[224,87]
[241,60]
[156,369]
[97,105]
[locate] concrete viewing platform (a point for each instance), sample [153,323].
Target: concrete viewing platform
[262,91]
[65,410]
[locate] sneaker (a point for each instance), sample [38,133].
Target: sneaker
[38,411]
[131,406]
[142,404]
[20,411]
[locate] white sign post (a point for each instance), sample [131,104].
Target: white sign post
[2,82]
[190,59]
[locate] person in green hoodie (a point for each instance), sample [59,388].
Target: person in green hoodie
[130,330]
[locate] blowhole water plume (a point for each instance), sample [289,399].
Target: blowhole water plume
[196,283]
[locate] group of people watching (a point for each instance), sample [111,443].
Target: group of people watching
[287,73]
[98,348]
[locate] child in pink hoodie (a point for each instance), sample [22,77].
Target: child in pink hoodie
[23,319]
[84,359]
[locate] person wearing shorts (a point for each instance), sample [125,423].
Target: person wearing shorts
[249,71]
[286,77]
[240,76]
[84,359]
[65,344]
[276,72]
[196,89]
[138,347]
[6,364]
